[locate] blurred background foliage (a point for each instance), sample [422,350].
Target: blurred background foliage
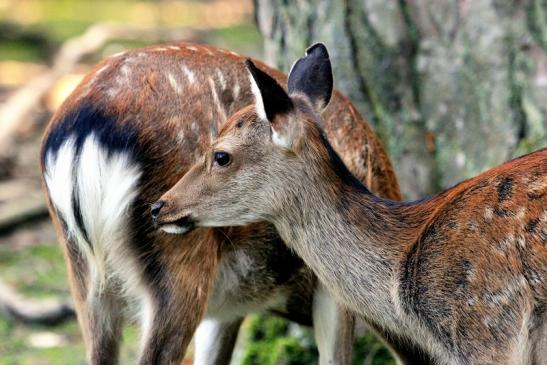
[452,88]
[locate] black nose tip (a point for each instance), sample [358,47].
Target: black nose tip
[155,209]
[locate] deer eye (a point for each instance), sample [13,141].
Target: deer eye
[222,158]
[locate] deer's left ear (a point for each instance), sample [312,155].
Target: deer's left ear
[311,76]
[270,98]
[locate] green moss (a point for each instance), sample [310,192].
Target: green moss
[272,341]
[537,21]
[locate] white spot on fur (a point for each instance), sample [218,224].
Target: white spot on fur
[118,54]
[233,53]
[101,70]
[216,99]
[521,241]
[174,84]
[126,72]
[174,48]
[180,136]
[280,140]
[236,90]
[189,74]
[259,103]
[174,229]
[192,48]
[221,79]
[195,128]
[521,213]
[488,213]
[160,49]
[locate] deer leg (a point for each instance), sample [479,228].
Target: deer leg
[98,311]
[105,320]
[215,340]
[333,326]
[176,295]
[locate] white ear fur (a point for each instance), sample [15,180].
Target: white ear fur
[259,103]
[280,139]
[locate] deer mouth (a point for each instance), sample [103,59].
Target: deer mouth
[179,226]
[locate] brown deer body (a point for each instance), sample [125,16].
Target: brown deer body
[462,275]
[128,133]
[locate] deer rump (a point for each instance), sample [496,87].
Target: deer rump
[128,133]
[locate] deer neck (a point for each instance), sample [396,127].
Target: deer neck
[354,242]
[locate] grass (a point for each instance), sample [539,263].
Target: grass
[38,271]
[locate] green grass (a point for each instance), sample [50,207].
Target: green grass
[39,272]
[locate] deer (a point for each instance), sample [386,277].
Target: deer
[462,275]
[132,128]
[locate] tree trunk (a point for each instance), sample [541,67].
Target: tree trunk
[451,87]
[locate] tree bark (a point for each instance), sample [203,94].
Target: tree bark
[451,87]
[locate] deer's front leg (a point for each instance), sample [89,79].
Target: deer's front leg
[177,295]
[333,327]
[168,326]
[215,340]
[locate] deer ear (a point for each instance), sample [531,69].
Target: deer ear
[311,75]
[270,98]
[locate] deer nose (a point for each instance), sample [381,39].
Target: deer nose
[155,209]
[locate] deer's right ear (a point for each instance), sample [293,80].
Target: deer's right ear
[311,76]
[270,98]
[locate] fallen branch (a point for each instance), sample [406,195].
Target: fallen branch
[20,203]
[27,311]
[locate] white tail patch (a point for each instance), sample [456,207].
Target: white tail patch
[59,179]
[105,185]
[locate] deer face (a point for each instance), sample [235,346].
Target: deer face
[256,164]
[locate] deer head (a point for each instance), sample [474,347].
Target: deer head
[265,154]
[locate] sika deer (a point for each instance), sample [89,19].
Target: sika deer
[462,275]
[128,133]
